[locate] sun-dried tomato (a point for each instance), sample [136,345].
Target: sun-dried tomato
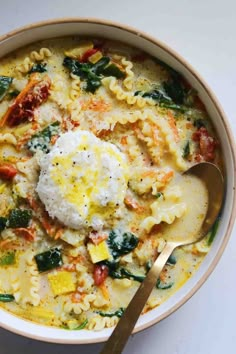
[100,273]
[207,145]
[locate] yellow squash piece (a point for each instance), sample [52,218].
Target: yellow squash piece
[95,57]
[98,252]
[62,282]
[78,52]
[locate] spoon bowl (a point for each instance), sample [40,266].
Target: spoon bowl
[213,181]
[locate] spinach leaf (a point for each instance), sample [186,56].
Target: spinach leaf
[38,68]
[8,259]
[99,66]
[121,244]
[19,218]
[49,260]
[127,274]
[122,273]
[3,222]
[162,99]
[163,286]
[186,150]
[93,83]
[113,70]
[174,107]
[5,82]
[86,71]
[158,95]
[42,140]
[92,73]
[174,88]
[117,313]
[6,298]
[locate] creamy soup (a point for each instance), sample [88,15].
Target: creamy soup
[94,139]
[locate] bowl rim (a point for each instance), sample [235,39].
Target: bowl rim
[217,105]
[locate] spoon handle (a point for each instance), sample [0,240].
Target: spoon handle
[123,330]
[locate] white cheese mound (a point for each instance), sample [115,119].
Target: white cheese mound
[83,180]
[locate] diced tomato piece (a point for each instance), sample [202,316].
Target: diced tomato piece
[207,144]
[88,54]
[100,273]
[7,171]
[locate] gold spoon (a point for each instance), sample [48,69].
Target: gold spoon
[212,177]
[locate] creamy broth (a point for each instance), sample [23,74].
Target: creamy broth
[95,137]
[195,195]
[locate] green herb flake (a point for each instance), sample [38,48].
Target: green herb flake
[6,298]
[159,194]
[8,259]
[5,82]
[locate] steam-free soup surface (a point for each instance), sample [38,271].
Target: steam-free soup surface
[94,139]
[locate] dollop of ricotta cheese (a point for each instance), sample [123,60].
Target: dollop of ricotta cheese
[83,180]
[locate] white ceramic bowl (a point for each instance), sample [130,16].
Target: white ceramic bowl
[95,27]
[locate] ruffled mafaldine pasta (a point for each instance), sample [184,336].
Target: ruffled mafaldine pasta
[93,144]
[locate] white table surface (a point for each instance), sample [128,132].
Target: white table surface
[204,32]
